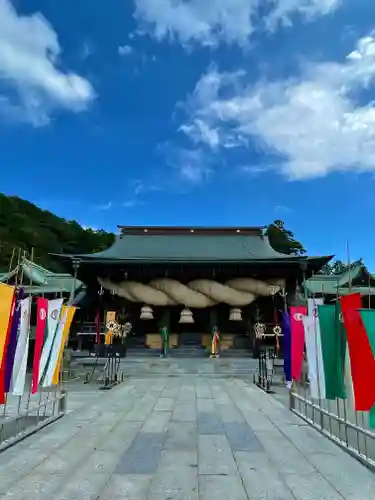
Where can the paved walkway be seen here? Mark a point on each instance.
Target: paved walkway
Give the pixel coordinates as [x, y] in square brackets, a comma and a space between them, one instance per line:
[180, 439]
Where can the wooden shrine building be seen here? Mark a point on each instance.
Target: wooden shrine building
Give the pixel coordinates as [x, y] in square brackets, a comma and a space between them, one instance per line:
[191, 279]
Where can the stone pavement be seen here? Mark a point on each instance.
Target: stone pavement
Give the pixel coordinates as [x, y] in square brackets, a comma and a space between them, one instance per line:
[183, 438]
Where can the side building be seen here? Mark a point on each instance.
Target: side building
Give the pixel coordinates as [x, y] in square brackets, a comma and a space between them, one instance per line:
[356, 280]
[191, 280]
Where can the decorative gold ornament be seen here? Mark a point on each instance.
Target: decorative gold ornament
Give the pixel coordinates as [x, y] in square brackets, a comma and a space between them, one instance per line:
[112, 325]
[277, 330]
[260, 330]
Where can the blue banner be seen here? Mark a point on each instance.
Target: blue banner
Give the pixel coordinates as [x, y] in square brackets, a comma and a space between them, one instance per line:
[287, 346]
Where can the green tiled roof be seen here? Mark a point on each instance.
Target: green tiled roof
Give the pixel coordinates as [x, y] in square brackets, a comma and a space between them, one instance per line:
[138, 248]
[332, 284]
[363, 290]
[39, 278]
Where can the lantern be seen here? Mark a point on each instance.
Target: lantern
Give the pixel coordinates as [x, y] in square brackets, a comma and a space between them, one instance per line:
[146, 313]
[186, 316]
[235, 314]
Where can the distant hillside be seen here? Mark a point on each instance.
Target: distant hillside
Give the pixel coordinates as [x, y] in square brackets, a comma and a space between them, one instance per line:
[24, 225]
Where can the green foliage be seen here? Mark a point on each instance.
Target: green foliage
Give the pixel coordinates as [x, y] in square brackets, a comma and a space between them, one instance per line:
[339, 267]
[282, 240]
[25, 226]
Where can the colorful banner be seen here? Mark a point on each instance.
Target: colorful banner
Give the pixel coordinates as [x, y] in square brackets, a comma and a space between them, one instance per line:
[287, 346]
[70, 311]
[314, 350]
[47, 382]
[22, 350]
[11, 351]
[6, 302]
[41, 323]
[333, 346]
[362, 361]
[368, 319]
[53, 318]
[5, 349]
[110, 316]
[298, 340]
[314, 359]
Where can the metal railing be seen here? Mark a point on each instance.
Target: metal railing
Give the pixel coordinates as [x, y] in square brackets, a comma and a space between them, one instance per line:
[269, 365]
[22, 416]
[336, 419]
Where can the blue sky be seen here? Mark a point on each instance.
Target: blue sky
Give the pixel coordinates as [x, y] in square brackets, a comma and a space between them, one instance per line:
[228, 112]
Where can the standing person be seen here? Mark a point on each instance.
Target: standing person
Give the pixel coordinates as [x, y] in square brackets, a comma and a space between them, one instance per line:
[164, 341]
[215, 342]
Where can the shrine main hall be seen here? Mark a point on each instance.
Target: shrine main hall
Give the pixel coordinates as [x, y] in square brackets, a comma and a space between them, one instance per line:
[192, 280]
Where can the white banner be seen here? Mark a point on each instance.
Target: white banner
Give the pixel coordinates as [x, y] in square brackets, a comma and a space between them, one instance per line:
[314, 350]
[53, 319]
[47, 382]
[22, 350]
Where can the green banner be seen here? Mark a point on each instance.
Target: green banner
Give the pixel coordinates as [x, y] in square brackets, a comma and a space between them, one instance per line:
[333, 351]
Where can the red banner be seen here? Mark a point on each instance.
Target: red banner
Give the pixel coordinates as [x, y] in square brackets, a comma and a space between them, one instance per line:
[41, 323]
[3, 362]
[362, 362]
[97, 327]
[298, 340]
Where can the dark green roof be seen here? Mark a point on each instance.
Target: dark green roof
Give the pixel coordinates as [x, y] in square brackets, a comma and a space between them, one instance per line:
[182, 245]
[41, 280]
[339, 283]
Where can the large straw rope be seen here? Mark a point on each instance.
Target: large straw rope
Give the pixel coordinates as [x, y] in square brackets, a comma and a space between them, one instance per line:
[202, 293]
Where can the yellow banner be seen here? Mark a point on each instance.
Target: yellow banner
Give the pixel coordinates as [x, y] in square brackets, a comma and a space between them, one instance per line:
[6, 300]
[70, 311]
[110, 316]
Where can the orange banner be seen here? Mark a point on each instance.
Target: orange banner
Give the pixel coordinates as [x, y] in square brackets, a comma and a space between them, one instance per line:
[110, 316]
[6, 301]
[70, 311]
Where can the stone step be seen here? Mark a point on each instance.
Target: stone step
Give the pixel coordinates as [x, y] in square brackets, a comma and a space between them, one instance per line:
[176, 366]
[188, 353]
[236, 353]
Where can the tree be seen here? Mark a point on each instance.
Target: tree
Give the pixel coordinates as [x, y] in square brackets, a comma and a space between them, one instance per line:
[282, 239]
[25, 226]
[338, 267]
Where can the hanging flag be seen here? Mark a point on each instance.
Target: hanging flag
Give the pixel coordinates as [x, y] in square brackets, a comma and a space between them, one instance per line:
[13, 337]
[5, 349]
[368, 319]
[55, 350]
[287, 346]
[53, 318]
[314, 350]
[6, 303]
[333, 345]
[312, 306]
[22, 350]
[70, 311]
[298, 340]
[362, 361]
[41, 323]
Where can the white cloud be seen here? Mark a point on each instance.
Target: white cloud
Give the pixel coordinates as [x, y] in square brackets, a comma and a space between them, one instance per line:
[192, 165]
[282, 209]
[308, 9]
[29, 66]
[211, 22]
[106, 206]
[125, 50]
[313, 122]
